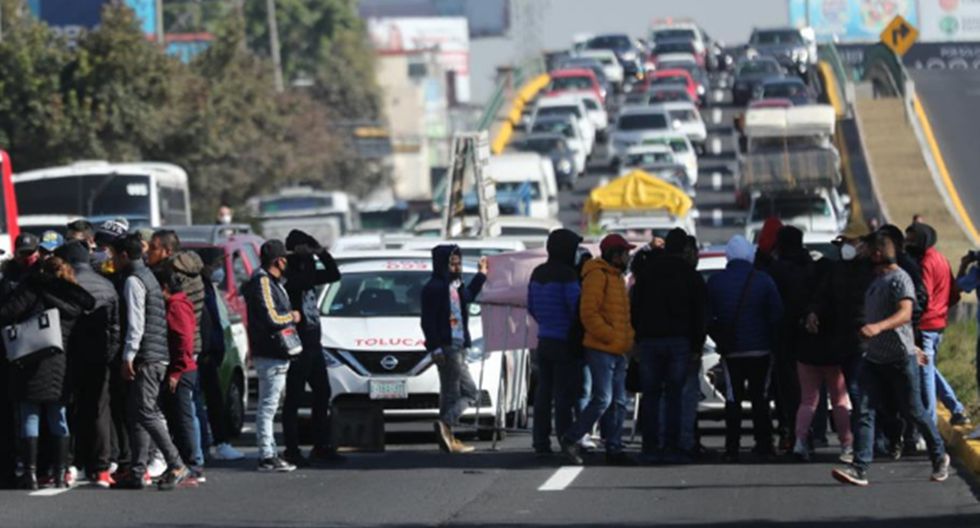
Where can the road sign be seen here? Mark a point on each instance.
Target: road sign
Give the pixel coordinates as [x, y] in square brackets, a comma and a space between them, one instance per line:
[899, 35]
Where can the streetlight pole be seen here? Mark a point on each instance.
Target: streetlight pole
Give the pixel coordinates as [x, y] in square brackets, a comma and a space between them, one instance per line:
[270, 6]
[159, 24]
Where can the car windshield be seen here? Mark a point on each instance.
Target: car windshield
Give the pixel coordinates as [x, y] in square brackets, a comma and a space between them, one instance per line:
[675, 47]
[783, 90]
[560, 84]
[684, 116]
[648, 158]
[541, 145]
[669, 80]
[394, 293]
[678, 145]
[788, 208]
[758, 67]
[560, 111]
[555, 127]
[784, 36]
[671, 34]
[533, 189]
[610, 42]
[642, 122]
[669, 96]
[678, 65]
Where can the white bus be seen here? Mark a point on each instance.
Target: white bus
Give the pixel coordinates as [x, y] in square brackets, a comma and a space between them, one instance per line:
[325, 215]
[148, 194]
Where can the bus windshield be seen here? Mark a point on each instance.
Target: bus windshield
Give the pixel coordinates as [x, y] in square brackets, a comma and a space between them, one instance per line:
[291, 204]
[88, 195]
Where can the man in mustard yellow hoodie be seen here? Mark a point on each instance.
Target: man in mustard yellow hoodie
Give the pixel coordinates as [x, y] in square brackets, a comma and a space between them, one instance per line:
[605, 313]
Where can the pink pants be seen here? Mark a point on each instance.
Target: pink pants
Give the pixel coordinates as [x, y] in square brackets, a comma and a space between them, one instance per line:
[811, 377]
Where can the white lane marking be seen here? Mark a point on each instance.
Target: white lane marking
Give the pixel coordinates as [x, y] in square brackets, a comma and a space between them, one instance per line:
[48, 492]
[716, 217]
[564, 476]
[716, 146]
[719, 96]
[716, 115]
[716, 181]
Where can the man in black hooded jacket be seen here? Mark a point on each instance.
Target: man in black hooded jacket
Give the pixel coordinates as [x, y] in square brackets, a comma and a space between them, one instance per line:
[445, 323]
[302, 280]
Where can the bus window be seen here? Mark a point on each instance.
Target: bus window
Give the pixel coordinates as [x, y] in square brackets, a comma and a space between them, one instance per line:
[173, 206]
[102, 195]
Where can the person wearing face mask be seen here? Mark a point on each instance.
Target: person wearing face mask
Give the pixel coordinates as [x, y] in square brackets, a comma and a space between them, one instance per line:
[269, 314]
[16, 270]
[889, 368]
[609, 336]
[445, 324]
[937, 277]
[224, 215]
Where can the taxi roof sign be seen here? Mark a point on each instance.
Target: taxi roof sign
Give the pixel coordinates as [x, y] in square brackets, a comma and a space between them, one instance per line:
[899, 35]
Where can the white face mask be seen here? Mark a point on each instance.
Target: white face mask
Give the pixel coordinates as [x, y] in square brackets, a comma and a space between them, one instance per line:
[224, 219]
[848, 252]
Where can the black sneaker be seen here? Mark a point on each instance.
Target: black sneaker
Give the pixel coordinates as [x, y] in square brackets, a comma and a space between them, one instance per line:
[543, 452]
[620, 458]
[898, 449]
[275, 465]
[326, 456]
[572, 453]
[173, 478]
[295, 458]
[851, 475]
[940, 469]
[129, 481]
[959, 419]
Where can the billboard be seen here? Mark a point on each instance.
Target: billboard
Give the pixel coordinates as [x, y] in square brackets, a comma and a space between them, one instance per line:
[949, 20]
[850, 20]
[487, 18]
[70, 17]
[449, 36]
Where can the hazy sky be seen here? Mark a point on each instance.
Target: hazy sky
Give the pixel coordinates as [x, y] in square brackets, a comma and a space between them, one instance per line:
[558, 20]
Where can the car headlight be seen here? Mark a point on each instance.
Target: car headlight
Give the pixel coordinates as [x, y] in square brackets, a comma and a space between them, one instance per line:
[330, 359]
[565, 166]
[476, 353]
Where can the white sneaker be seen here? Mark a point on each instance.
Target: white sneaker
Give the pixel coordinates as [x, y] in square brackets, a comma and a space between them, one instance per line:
[156, 467]
[587, 443]
[113, 467]
[226, 452]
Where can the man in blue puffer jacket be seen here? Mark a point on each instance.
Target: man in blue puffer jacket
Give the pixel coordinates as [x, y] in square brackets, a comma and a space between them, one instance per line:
[552, 300]
[744, 308]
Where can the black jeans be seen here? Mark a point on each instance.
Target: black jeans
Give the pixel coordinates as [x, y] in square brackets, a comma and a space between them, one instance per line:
[754, 372]
[92, 424]
[119, 423]
[310, 368]
[146, 421]
[207, 371]
[182, 415]
[559, 384]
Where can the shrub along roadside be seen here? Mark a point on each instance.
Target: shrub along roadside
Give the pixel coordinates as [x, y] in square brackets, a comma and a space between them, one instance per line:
[957, 361]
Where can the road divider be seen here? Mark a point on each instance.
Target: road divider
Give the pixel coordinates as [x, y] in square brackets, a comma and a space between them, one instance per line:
[968, 451]
[524, 95]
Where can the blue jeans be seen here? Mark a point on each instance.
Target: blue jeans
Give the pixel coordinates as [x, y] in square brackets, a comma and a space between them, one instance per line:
[608, 402]
[898, 382]
[201, 426]
[934, 384]
[272, 382]
[30, 419]
[663, 370]
[559, 383]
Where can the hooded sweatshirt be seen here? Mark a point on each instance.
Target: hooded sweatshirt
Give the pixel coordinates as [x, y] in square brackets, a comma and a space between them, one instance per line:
[436, 312]
[669, 300]
[189, 266]
[937, 278]
[767, 242]
[554, 291]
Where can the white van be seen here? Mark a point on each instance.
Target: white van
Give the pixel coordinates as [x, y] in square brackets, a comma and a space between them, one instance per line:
[512, 171]
[568, 104]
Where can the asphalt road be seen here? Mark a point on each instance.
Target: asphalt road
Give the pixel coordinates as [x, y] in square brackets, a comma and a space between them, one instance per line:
[951, 100]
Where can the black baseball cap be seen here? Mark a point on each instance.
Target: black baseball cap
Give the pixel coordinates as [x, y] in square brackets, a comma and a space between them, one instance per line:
[271, 250]
[26, 243]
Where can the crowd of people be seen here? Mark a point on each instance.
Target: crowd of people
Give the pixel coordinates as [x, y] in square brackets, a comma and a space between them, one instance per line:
[852, 338]
[113, 345]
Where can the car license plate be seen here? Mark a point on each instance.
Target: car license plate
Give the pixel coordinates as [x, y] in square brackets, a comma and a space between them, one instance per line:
[387, 390]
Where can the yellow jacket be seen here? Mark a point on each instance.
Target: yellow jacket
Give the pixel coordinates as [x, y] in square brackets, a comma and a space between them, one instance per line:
[605, 308]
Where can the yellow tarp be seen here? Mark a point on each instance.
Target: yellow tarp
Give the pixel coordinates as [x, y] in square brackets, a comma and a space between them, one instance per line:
[638, 191]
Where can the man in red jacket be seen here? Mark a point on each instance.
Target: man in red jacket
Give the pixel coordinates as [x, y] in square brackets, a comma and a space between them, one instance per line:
[182, 369]
[937, 276]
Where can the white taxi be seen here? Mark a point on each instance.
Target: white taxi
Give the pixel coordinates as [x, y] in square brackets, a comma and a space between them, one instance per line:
[375, 349]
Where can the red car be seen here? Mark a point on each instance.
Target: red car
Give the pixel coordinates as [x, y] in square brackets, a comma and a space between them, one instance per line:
[232, 254]
[575, 80]
[674, 77]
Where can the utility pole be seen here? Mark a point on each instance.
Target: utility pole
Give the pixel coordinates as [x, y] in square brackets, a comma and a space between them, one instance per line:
[159, 24]
[270, 7]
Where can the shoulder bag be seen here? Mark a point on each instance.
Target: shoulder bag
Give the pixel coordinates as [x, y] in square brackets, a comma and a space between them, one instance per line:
[40, 332]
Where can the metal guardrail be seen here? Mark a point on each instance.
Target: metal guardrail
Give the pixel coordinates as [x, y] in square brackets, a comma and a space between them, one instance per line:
[518, 77]
[885, 70]
[828, 53]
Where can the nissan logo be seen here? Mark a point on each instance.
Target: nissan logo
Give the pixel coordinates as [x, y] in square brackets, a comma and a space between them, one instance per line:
[389, 362]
